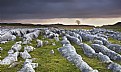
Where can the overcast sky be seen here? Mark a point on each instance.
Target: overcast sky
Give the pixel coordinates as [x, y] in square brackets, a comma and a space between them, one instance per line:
[44, 10]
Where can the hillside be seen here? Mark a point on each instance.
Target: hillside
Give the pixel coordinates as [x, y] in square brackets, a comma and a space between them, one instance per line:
[18, 25]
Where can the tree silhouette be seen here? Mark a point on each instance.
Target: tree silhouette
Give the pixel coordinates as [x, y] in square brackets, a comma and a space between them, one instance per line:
[78, 22]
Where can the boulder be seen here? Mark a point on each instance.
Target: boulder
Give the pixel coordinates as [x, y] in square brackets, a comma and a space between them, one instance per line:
[111, 54]
[25, 54]
[39, 43]
[87, 50]
[103, 58]
[115, 47]
[29, 48]
[114, 67]
[28, 66]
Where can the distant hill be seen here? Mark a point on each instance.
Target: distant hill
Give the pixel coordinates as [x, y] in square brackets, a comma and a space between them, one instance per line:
[45, 25]
[114, 25]
[117, 24]
[15, 24]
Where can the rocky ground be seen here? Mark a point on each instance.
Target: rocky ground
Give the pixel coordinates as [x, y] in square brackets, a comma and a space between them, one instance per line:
[53, 62]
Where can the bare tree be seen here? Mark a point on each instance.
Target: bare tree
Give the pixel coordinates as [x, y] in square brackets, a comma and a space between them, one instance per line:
[78, 22]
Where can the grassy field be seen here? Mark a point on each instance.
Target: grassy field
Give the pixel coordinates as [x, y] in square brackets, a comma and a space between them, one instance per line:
[115, 28]
[53, 63]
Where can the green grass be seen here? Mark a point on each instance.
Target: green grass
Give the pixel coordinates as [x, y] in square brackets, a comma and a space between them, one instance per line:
[115, 28]
[114, 41]
[48, 62]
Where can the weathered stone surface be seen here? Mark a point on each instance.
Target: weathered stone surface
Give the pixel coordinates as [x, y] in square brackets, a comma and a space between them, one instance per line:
[111, 54]
[29, 48]
[39, 43]
[114, 67]
[25, 54]
[28, 66]
[115, 47]
[87, 50]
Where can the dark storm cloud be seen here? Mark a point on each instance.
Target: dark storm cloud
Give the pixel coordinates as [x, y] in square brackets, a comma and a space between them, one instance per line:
[44, 9]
